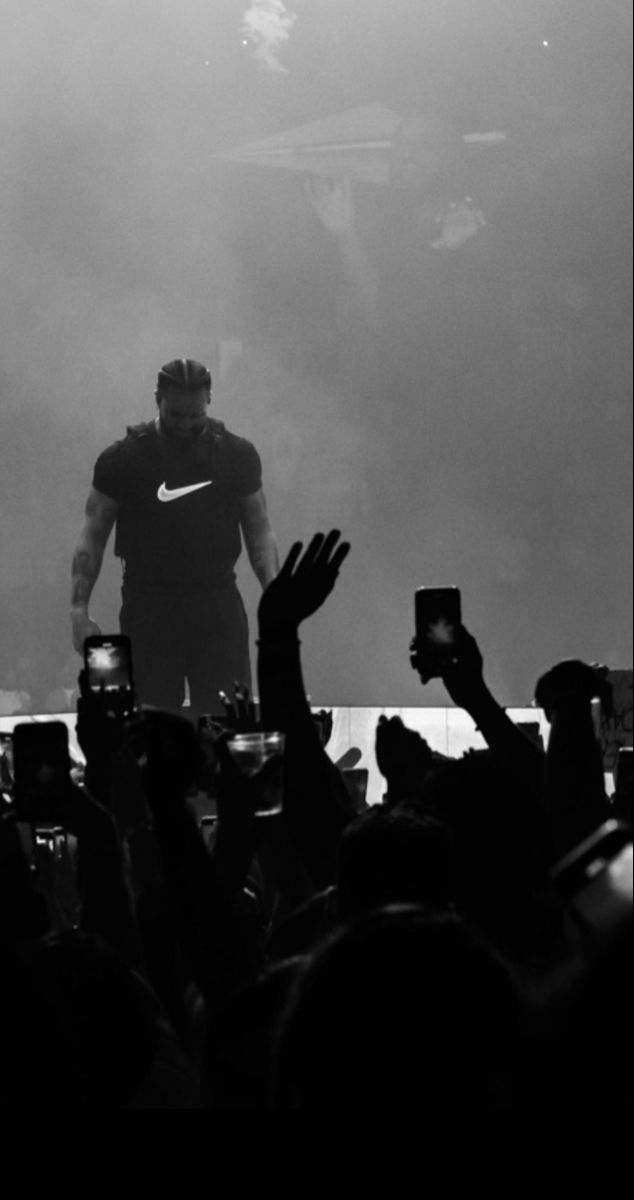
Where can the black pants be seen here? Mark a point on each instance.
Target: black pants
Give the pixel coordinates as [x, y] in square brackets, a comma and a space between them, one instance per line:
[200, 637]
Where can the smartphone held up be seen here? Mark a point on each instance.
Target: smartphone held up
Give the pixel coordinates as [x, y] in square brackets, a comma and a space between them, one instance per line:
[108, 672]
[438, 616]
[41, 772]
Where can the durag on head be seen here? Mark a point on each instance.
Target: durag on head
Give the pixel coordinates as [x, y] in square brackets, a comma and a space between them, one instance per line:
[185, 374]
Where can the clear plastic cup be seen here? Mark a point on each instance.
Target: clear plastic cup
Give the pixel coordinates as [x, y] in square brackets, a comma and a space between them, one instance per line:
[250, 752]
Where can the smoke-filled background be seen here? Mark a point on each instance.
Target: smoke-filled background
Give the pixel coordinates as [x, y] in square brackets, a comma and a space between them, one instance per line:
[462, 412]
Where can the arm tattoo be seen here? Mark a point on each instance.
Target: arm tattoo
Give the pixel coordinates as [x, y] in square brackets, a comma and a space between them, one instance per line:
[85, 570]
[100, 514]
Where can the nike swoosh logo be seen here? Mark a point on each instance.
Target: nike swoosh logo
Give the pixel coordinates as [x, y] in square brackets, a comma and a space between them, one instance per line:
[166, 495]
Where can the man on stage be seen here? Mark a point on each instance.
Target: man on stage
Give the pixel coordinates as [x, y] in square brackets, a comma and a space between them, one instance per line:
[182, 490]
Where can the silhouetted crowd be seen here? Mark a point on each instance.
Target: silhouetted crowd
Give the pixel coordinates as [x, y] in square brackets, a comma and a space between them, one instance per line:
[463, 944]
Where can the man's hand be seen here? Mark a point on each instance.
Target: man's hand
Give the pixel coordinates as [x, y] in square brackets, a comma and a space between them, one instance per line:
[303, 584]
[572, 680]
[99, 733]
[463, 678]
[333, 202]
[324, 722]
[83, 627]
[403, 758]
[241, 712]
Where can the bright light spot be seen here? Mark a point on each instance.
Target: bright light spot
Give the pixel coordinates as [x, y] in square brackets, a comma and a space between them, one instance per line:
[545, 43]
[441, 632]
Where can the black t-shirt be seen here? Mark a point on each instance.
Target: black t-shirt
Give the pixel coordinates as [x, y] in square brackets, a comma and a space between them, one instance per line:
[178, 521]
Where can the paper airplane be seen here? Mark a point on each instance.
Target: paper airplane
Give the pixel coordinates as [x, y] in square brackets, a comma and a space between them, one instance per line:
[356, 143]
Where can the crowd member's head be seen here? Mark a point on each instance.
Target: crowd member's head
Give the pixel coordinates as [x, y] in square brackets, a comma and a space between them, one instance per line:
[392, 856]
[403, 1009]
[183, 393]
[501, 852]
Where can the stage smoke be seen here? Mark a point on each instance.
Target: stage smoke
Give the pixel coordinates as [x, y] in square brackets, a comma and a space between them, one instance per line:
[267, 24]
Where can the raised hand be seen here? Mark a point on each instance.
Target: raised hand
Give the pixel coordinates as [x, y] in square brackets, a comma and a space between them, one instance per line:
[241, 712]
[463, 678]
[305, 580]
[324, 722]
[99, 733]
[403, 758]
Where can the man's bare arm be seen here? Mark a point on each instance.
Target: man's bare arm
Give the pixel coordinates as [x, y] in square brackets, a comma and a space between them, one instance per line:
[258, 536]
[101, 513]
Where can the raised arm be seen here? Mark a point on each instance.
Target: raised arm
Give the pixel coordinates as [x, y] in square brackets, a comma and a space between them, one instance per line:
[575, 786]
[101, 512]
[466, 685]
[259, 538]
[316, 803]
